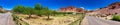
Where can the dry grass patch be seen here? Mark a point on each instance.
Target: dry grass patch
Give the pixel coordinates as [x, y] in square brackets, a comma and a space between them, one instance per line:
[56, 20]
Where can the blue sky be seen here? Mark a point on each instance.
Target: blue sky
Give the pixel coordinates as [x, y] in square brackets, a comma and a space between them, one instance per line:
[56, 4]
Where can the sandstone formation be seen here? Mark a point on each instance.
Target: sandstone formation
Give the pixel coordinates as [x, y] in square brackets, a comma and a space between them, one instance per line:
[72, 9]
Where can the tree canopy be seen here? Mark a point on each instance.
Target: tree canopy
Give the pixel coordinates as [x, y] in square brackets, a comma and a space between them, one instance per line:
[38, 6]
[19, 8]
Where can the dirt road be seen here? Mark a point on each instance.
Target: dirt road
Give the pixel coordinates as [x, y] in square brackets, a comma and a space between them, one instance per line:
[90, 20]
[6, 19]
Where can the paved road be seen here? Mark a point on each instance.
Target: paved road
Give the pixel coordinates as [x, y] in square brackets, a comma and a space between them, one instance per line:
[90, 20]
[6, 19]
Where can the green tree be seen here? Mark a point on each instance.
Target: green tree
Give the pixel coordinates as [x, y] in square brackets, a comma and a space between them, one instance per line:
[29, 11]
[47, 12]
[39, 12]
[38, 6]
[38, 9]
[24, 10]
[19, 9]
[54, 13]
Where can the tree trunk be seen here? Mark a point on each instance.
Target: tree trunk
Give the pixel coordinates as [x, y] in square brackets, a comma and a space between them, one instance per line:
[30, 15]
[40, 15]
[48, 17]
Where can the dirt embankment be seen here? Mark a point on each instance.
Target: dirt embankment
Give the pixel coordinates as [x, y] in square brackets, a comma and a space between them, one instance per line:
[111, 9]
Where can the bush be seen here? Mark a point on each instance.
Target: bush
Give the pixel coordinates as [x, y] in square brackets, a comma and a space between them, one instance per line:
[63, 12]
[69, 12]
[116, 17]
[17, 20]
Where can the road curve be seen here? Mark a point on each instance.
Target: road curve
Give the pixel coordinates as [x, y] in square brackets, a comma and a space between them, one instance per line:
[90, 20]
[6, 19]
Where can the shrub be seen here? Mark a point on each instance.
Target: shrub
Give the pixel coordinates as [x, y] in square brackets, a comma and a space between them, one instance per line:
[17, 20]
[116, 17]
[78, 21]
